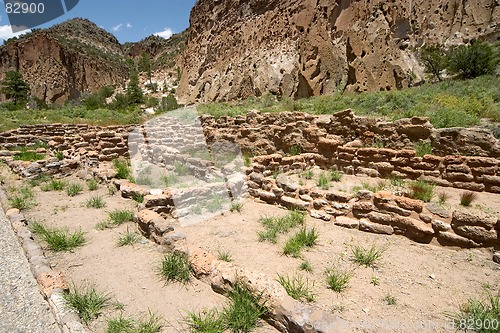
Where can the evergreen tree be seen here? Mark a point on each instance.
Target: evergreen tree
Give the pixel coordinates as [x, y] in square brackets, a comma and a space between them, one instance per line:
[14, 87]
[134, 92]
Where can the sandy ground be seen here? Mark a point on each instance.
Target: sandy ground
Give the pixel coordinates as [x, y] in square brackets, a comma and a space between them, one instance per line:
[428, 281]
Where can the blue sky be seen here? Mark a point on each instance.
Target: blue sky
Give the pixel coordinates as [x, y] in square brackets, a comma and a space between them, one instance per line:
[129, 21]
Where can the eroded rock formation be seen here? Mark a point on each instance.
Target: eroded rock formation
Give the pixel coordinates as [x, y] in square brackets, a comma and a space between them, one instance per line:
[300, 48]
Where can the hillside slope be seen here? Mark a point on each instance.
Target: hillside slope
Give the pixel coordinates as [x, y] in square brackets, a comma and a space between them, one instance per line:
[65, 61]
[299, 48]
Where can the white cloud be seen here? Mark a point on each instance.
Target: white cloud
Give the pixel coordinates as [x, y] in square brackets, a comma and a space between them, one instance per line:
[167, 33]
[6, 32]
[117, 28]
[129, 25]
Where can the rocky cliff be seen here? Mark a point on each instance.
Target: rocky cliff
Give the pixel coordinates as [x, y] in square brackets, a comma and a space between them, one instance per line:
[299, 48]
[66, 61]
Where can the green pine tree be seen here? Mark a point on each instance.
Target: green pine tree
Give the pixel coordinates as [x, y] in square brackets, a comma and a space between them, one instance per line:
[14, 87]
[134, 92]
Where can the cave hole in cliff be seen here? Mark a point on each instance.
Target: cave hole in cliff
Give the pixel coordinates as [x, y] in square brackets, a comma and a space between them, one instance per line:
[304, 90]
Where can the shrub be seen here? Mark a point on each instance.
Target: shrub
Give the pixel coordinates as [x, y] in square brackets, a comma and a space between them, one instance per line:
[472, 61]
[297, 287]
[434, 58]
[122, 168]
[175, 267]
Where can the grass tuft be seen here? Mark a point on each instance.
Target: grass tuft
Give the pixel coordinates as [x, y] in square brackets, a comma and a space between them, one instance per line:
[306, 266]
[74, 189]
[443, 197]
[297, 242]
[276, 225]
[236, 206]
[297, 287]
[22, 199]
[366, 256]
[58, 239]
[224, 256]
[308, 174]
[245, 309]
[86, 301]
[422, 190]
[30, 156]
[466, 198]
[54, 185]
[337, 280]
[476, 313]
[128, 238]
[390, 299]
[122, 168]
[208, 321]
[120, 216]
[95, 202]
[323, 181]
[175, 267]
[92, 184]
[335, 175]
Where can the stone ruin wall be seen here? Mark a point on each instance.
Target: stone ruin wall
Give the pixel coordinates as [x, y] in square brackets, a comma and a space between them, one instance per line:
[328, 142]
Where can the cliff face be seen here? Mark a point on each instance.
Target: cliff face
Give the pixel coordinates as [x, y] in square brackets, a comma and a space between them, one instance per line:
[66, 60]
[299, 48]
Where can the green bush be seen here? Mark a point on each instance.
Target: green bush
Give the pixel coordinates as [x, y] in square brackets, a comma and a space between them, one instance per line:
[472, 61]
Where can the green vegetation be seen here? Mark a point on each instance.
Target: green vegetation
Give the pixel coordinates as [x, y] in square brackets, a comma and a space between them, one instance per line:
[423, 148]
[242, 314]
[236, 206]
[149, 324]
[479, 313]
[297, 287]
[375, 280]
[54, 185]
[447, 104]
[323, 181]
[443, 197]
[205, 322]
[175, 267]
[335, 175]
[86, 301]
[306, 266]
[224, 256]
[337, 280]
[279, 225]
[366, 256]
[74, 189]
[473, 60]
[15, 88]
[298, 241]
[390, 299]
[22, 198]
[95, 202]
[466, 198]
[308, 174]
[422, 190]
[92, 184]
[30, 156]
[119, 216]
[122, 168]
[128, 238]
[295, 150]
[58, 239]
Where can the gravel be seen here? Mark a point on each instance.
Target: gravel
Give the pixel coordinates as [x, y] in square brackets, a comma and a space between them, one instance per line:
[22, 307]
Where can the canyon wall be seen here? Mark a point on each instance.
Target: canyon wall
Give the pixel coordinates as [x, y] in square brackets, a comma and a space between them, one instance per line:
[300, 48]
